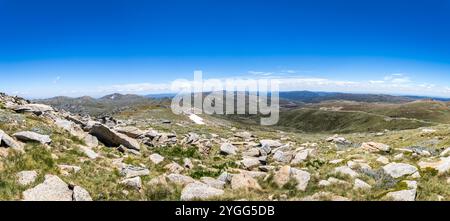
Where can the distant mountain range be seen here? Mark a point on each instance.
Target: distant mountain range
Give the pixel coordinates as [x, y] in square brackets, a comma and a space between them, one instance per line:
[113, 103]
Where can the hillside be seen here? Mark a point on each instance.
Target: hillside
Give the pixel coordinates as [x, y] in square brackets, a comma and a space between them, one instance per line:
[140, 155]
[106, 105]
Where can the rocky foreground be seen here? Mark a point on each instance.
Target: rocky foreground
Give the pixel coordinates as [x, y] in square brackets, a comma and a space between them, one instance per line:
[47, 154]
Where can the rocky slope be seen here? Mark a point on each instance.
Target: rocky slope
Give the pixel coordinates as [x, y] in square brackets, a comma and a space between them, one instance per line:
[151, 154]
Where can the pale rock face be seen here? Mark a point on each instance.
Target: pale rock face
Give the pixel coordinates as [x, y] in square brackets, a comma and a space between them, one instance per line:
[253, 152]
[130, 131]
[361, 185]
[397, 170]
[156, 158]
[244, 181]
[68, 169]
[26, 177]
[37, 109]
[442, 166]
[375, 147]
[32, 136]
[250, 163]
[52, 189]
[301, 156]
[213, 182]
[282, 157]
[187, 163]
[302, 178]
[228, 149]
[346, 171]
[10, 142]
[135, 183]
[80, 194]
[383, 160]
[179, 179]
[174, 167]
[402, 195]
[282, 176]
[271, 143]
[90, 141]
[129, 171]
[112, 138]
[199, 191]
[88, 152]
[445, 153]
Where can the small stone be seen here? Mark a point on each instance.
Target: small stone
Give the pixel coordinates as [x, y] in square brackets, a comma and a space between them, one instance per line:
[156, 158]
[228, 149]
[135, 183]
[179, 179]
[244, 181]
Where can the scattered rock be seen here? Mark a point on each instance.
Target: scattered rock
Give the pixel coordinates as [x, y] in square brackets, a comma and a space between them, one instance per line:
[156, 158]
[68, 169]
[301, 177]
[88, 152]
[301, 156]
[199, 191]
[402, 195]
[112, 138]
[250, 163]
[228, 149]
[218, 184]
[383, 160]
[442, 166]
[397, 170]
[130, 131]
[174, 167]
[32, 136]
[37, 109]
[345, 170]
[134, 182]
[9, 141]
[244, 181]
[129, 171]
[361, 185]
[375, 147]
[282, 157]
[179, 179]
[80, 194]
[52, 189]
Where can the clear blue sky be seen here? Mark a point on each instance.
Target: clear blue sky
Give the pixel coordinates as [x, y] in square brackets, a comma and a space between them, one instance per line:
[78, 47]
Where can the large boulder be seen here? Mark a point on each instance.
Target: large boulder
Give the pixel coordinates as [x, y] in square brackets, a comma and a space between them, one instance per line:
[52, 189]
[32, 136]
[112, 138]
[37, 109]
[397, 170]
[199, 191]
[402, 195]
[9, 141]
[129, 171]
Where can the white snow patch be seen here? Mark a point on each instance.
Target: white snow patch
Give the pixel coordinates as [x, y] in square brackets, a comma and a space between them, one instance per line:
[196, 119]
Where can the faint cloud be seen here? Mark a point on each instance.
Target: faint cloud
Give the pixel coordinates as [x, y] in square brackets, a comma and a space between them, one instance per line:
[56, 80]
